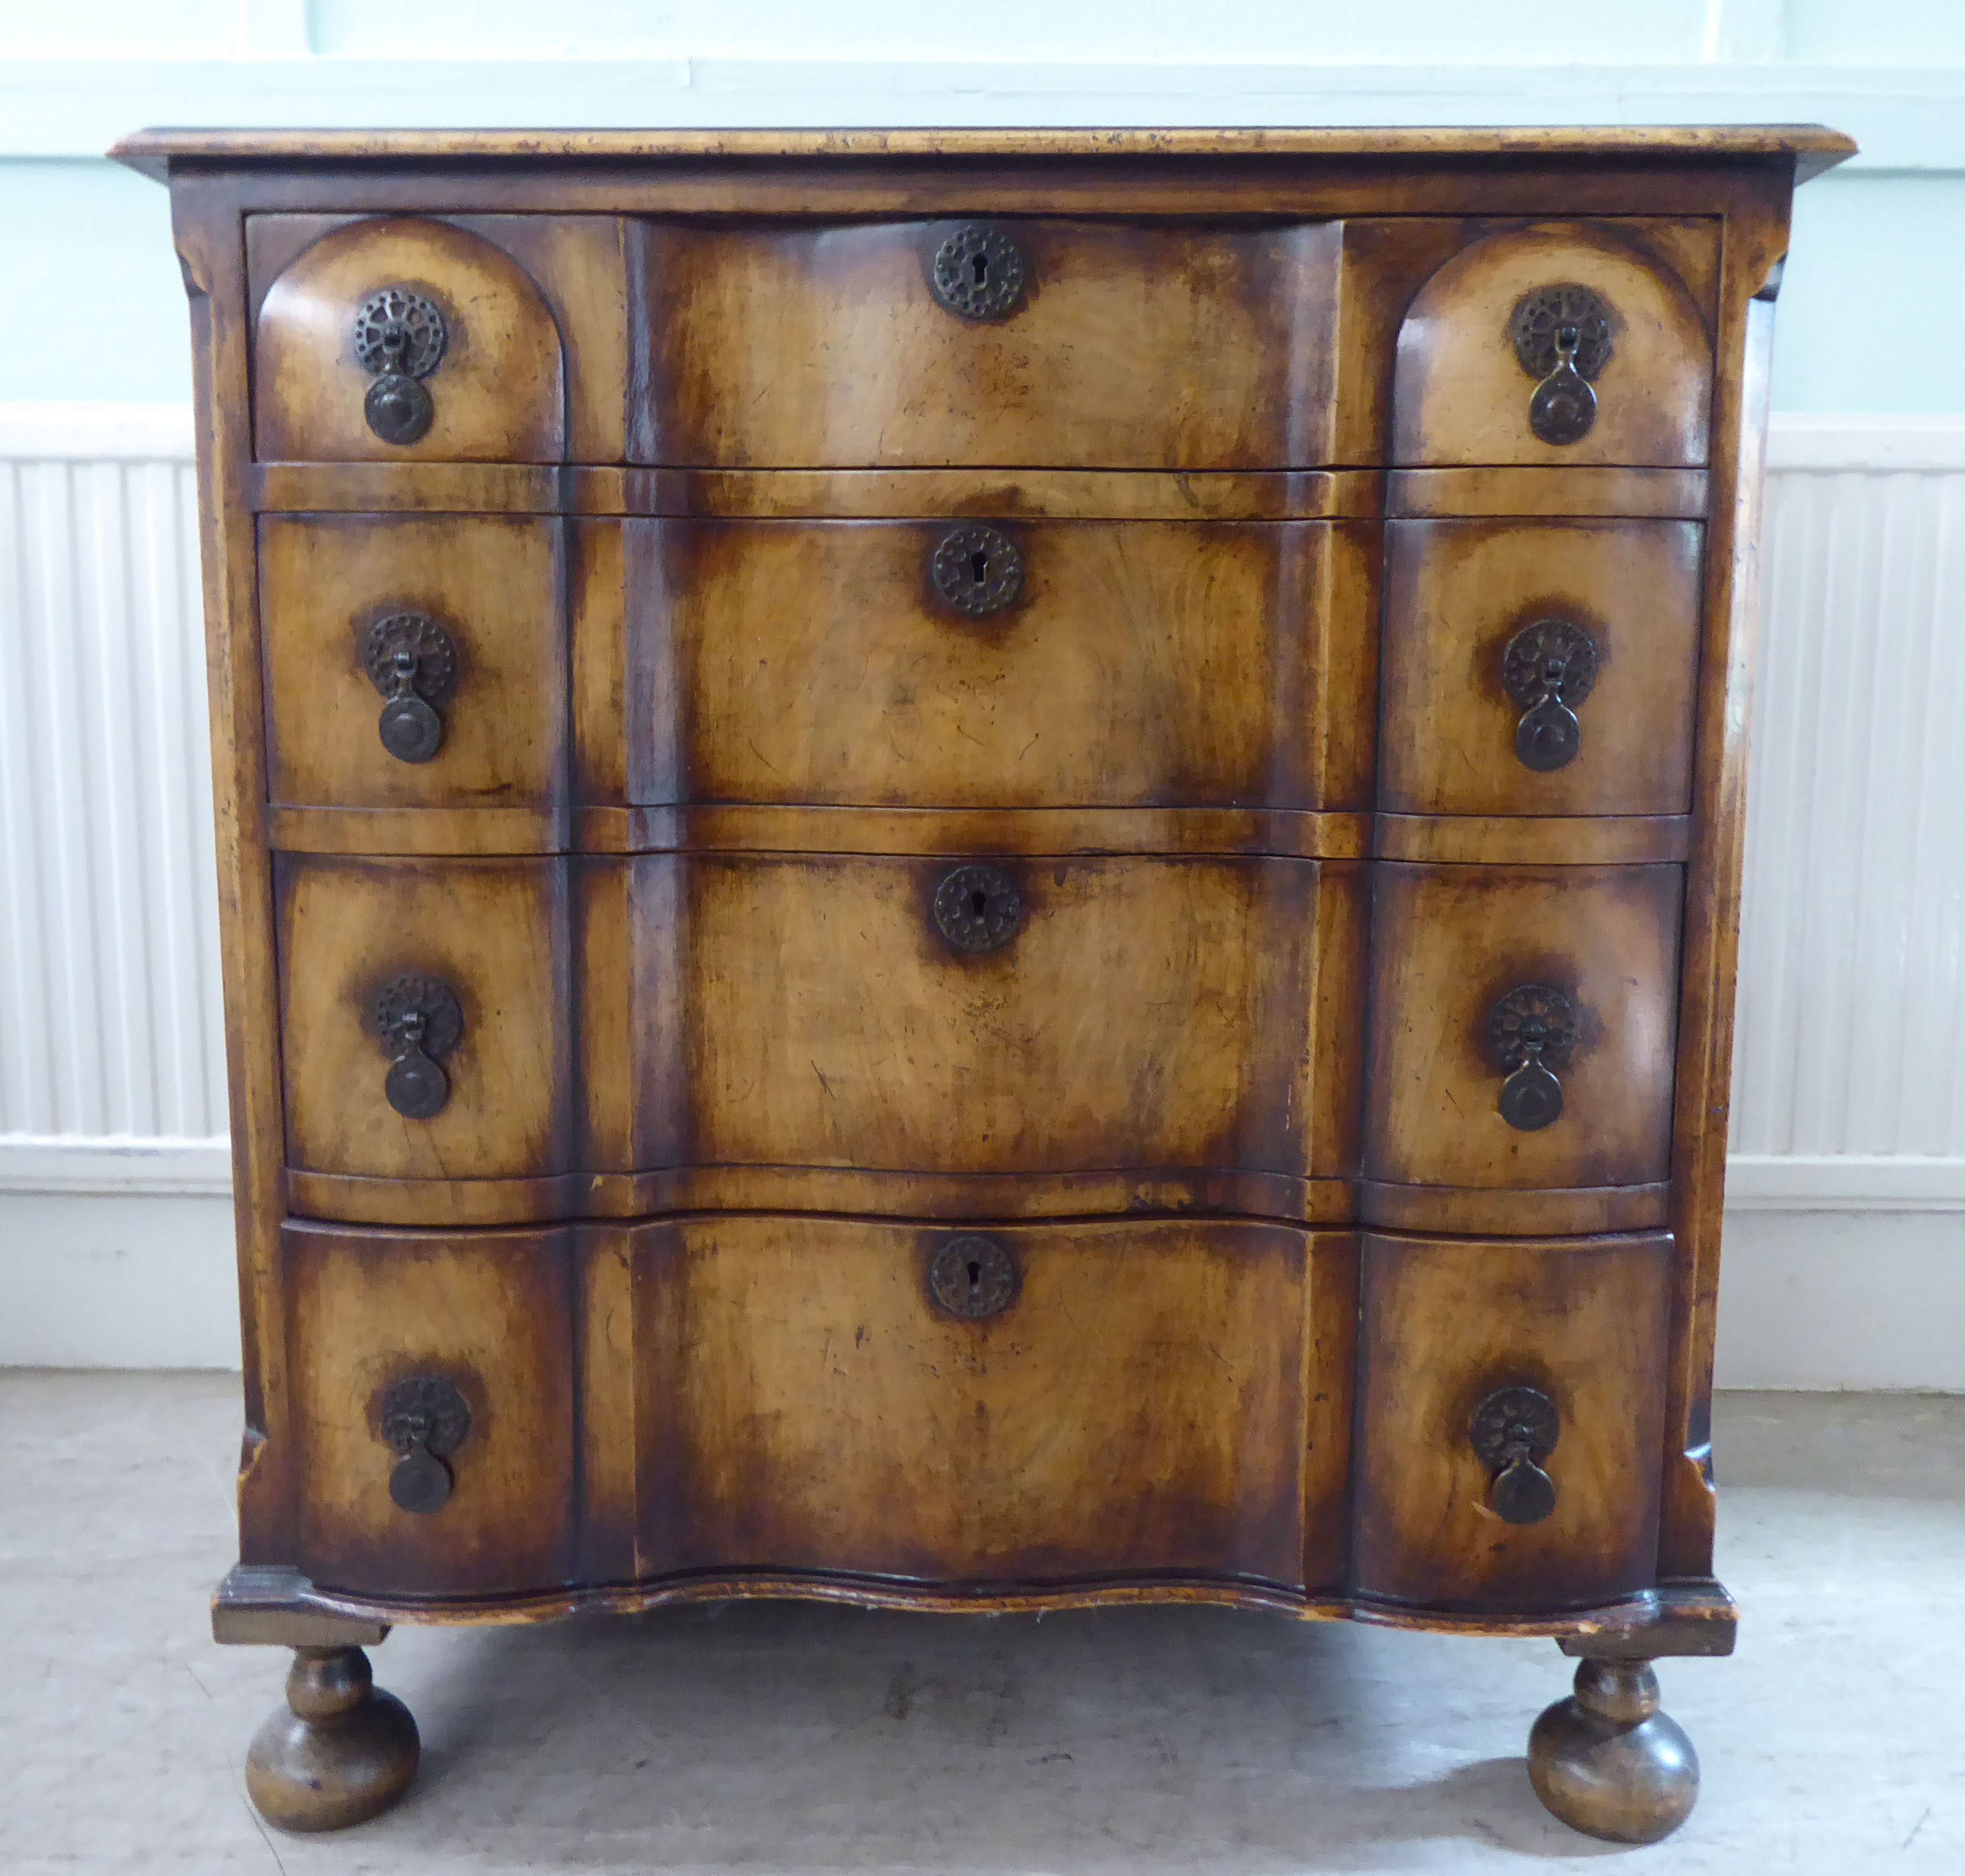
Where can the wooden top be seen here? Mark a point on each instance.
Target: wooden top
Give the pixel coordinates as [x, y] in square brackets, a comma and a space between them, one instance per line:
[1813, 147]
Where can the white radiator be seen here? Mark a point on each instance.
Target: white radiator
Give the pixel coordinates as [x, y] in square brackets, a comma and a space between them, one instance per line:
[1850, 1072]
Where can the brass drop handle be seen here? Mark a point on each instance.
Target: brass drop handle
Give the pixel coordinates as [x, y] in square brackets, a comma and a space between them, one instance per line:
[400, 338]
[1532, 1031]
[425, 1420]
[412, 660]
[1514, 1431]
[979, 272]
[972, 1276]
[1548, 669]
[419, 1021]
[1562, 338]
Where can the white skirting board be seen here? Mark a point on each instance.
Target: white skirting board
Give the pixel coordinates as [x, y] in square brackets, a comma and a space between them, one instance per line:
[1845, 1259]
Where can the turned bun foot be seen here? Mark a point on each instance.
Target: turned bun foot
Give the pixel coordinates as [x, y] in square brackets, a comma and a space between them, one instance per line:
[341, 1751]
[1608, 1763]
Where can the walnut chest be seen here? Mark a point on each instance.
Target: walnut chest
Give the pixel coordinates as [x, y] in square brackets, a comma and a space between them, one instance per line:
[981, 870]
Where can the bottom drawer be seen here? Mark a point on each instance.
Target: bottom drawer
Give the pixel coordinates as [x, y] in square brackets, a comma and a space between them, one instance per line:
[1518, 1378]
[431, 1401]
[1018, 1405]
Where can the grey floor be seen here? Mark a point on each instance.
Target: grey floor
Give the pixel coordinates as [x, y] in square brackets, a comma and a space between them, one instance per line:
[769, 1738]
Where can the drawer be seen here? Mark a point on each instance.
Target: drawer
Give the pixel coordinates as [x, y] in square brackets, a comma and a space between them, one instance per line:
[403, 339]
[1522, 1026]
[944, 1016]
[1481, 1364]
[430, 1404]
[1014, 342]
[1007, 1405]
[413, 661]
[969, 663]
[425, 1029]
[1560, 343]
[1540, 668]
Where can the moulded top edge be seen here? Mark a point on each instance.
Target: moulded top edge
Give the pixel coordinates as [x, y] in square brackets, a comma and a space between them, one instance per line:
[1814, 147]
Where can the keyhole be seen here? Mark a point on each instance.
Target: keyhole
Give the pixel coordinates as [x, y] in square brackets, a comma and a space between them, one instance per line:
[979, 567]
[975, 1276]
[979, 904]
[978, 266]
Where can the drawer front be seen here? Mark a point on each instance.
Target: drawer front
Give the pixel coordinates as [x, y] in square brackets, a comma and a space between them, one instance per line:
[425, 1023]
[406, 340]
[430, 1379]
[1482, 1364]
[1008, 1405]
[946, 1016]
[413, 661]
[981, 663]
[1540, 668]
[1561, 343]
[1081, 344]
[1489, 985]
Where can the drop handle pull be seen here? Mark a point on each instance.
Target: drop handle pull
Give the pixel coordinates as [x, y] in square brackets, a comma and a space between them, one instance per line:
[400, 339]
[419, 1021]
[1548, 669]
[1532, 1030]
[1562, 339]
[424, 1420]
[1514, 1430]
[412, 661]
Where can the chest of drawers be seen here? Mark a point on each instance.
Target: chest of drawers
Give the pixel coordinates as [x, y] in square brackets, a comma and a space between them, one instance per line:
[981, 870]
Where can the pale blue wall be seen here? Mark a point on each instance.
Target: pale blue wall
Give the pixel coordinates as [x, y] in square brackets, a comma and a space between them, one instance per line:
[92, 308]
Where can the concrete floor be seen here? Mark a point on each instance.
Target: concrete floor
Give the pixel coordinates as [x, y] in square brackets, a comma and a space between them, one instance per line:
[766, 1737]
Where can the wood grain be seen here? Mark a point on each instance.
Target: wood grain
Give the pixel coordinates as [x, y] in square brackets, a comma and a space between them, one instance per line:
[151, 150]
[1446, 942]
[1146, 1014]
[1461, 396]
[495, 931]
[1457, 592]
[801, 1401]
[1445, 1322]
[785, 347]
[491, 584]
[499, 391]
[1194, 664]
[490, 1313]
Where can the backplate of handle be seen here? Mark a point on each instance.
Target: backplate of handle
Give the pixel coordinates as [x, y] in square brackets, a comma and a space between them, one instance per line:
[424, 1419]
[1514, 1429]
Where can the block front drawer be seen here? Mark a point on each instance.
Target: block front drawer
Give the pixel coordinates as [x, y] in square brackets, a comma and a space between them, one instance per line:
[1510, 1417]
[1019, 1404]
[1014, 340]
[432, 1407]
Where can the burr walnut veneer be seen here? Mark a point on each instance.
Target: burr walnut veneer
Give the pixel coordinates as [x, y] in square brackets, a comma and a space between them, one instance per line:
[980, 871]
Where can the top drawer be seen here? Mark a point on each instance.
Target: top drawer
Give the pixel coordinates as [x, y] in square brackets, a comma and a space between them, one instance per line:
[1013, 342]
[1557, 344]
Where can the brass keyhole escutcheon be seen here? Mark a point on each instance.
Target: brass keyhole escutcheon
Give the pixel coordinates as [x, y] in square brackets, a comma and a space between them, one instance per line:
[978, 908]
[1513, 1430]
[976, 569]
[979, 272]
[972, 1276]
